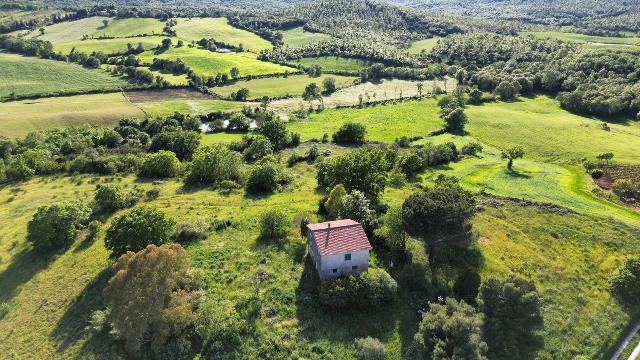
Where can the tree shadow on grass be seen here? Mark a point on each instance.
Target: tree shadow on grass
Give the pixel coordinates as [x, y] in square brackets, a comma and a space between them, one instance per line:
[319, 323]
[72, 325]
[517, 174]
[25, 265]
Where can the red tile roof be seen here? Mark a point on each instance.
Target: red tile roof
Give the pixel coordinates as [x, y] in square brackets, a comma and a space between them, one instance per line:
[340, 236]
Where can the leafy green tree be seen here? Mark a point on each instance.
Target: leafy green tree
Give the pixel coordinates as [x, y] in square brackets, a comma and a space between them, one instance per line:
[350, 133]
[512, 310]
[181, 143]
[109, 198]
[152, 296]
[138, 228]
[259, 148]
[506, 91]
[475, 96]
[56, 226]
[608, 156]
[166, 43]
[239, 122]
[452, 330]
[240, 95]
[311, 92]
[276, 131]
[334, 201]
[274, 225]
[512, 153]
[441, 217]
[265, 177]
[329, 85]
[364, 170]
[235, 72]
[624, 284]
[163, 164]
[455, 121]
[213, 164]
[370, 349]
[355, 206]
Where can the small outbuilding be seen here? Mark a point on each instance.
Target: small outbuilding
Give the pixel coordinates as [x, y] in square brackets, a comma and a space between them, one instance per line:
[338, 248]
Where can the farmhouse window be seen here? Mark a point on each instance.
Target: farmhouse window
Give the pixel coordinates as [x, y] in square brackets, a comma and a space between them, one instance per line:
[347, 257]
[334, 270]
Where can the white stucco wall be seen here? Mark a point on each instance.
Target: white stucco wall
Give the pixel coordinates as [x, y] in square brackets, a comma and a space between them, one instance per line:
[326, 264]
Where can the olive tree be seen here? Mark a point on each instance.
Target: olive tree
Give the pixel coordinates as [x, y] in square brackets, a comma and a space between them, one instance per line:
[137, 228]
[512, 153]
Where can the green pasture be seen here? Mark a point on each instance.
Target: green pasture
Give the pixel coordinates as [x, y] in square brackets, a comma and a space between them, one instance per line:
[547, 132]
[108, 46]
[334, 63]
[593, 41]
[130, 27]
[292, 85]
[427, 44]
[21, 117]
[298, 37]
[70, 30]
[196, 106]
[194, 29]
[207, 63]
[29, 76]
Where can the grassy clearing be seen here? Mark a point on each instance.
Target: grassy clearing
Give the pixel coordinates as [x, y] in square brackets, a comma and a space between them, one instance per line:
[384, 122]
[70, 30]
[547, 132]
[298, 37]
[107, 46]
[219, 29]
[21, 117]
[334, 63]
[592, 41]
[370, 92]
[28, 76]
[130, 26]
[207, 63]
[280, 86]
[427, 44]
[169, 107]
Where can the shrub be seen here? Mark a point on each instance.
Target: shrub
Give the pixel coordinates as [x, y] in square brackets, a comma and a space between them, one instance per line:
[356, 206]
[191, 231]
[363, 170]
[109, 198]
[624, 284]
[314, 153]
[380, 287]
[163, 164]
[182, 143]
[471, 148]
[597, 173]
[93, 229]
[413, 276]
[152, 296]
[266, 177]
[274, 225]
[350, 133]
[370, 349]
[259, 148]
[56, 226]
[153, 193]
[410, 164]
[455, 121]
[138, 228]
[370, 289]
[452, 330]
[239, 122]
[276, 131]
[213, 164]
[334, 202]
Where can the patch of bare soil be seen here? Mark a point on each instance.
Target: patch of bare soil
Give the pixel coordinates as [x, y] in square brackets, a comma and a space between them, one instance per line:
[165, 94]
[605, 181]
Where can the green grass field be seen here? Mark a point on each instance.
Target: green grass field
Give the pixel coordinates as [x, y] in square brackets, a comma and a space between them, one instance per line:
[29, 76]
[334, 64]
[632, 43]
[280, 86]
[219, 29]
[298, 37]
[22, 117]
[108, 46]
[207, 63]
[130, 26]
[547, 132]
[199, 106]
[426, 45]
